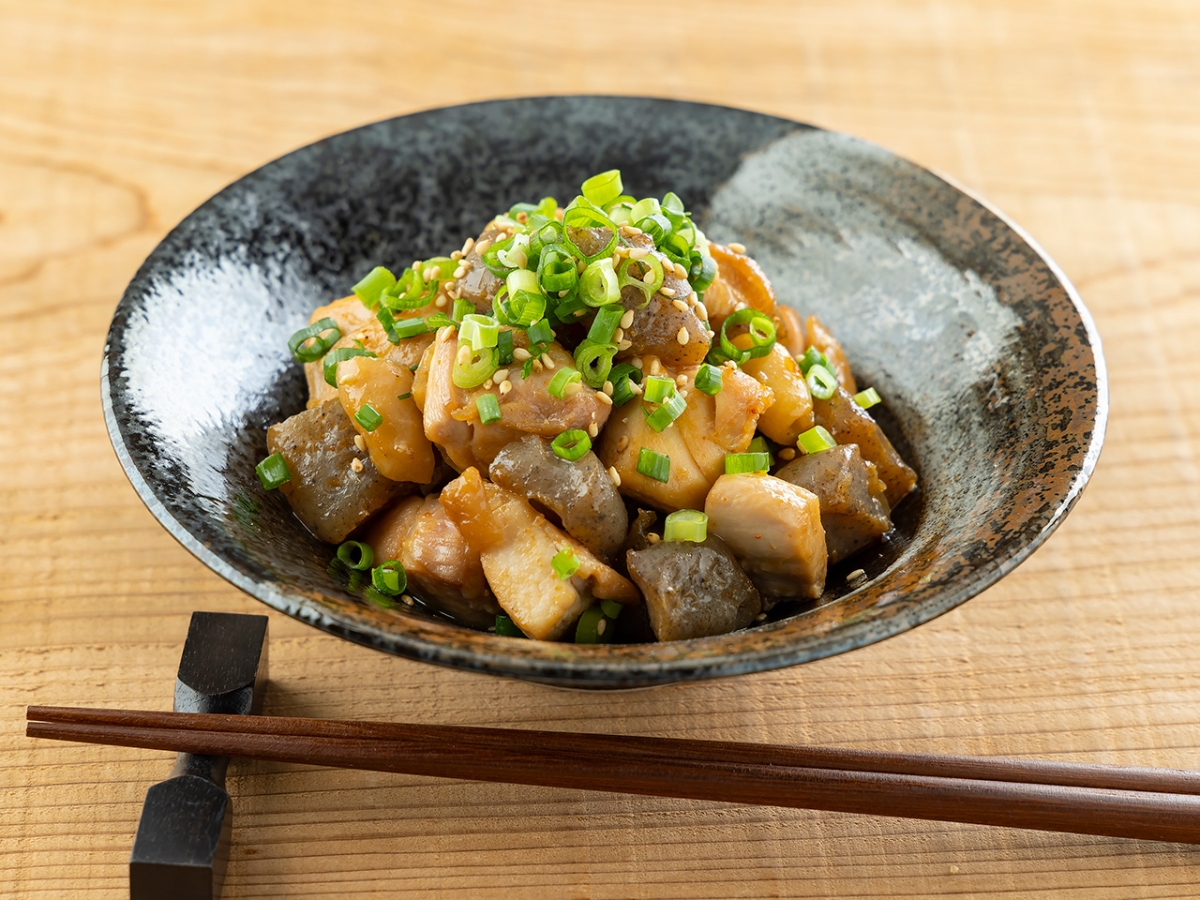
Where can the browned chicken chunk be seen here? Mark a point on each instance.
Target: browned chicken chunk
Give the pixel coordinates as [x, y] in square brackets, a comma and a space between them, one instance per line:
[849, 423]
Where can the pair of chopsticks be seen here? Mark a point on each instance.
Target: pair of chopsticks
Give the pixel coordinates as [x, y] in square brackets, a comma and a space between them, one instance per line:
[1151, 804]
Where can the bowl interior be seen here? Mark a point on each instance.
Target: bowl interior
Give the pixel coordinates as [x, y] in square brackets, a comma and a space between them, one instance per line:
[988, 363]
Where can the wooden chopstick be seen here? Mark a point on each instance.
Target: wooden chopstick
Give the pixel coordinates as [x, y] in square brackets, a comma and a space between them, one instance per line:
[1136, 803]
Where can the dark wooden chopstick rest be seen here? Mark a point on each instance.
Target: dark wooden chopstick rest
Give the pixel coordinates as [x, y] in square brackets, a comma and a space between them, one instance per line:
[182, 844]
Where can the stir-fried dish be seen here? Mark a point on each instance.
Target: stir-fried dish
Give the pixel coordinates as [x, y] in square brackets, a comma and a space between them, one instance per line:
[584, 410]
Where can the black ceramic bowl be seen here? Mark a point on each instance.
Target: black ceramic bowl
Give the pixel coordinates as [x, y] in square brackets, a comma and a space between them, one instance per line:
[989, 363]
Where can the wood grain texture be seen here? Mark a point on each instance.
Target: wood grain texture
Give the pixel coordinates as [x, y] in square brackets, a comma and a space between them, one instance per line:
[1079, 119]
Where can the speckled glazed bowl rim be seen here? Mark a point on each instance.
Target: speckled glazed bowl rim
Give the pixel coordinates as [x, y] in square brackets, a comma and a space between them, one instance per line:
[855, 620]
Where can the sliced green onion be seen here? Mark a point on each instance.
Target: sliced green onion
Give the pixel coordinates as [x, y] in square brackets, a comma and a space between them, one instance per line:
[321, 342]
[611, 608]
[571, 445]
[368, 417]
[822, 383]
[709, 380]
[521, 280]
[677, 249]
[410, 328]
[673, 206]
[462, 308]
[491, 256]
[562, 381]
[604, 188]
[557, 271]
[375, 283]
[737, 463]
[759, 327]
[582, 213]
[647, 207]
[390, 578]
[658, 388]
[595, 362]
[504, 348]
[526, 307]
[540, 332]
[702, 271]
[598, 285]
[657, 226]
[333, 357]
[633, 272]
[867, 398]
[489, 408]
[405, 396]
[759, 445]
[543, 233]
[409, 291]
[604, 326]
[477, 369]
[594, 627]
[812, 357]
[565, 563]
[654, 465]
[815, 440]
[686, 525]
[506, 627]
[356, 555]
[620, 376]
[273, 471]
[515, 254]
[437, 320]
[671, 409]
[479, 331]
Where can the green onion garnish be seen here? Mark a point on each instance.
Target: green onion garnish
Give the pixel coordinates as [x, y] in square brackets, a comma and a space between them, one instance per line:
[506, 627]
[867, 398]
[390, 578]
[647, 207]
[812, 357]
[759, 327]
[504, 348]
[598, 285]
[321, 342]
[526, 307]
[410, 328]
[478, 367]
[658, 388]
[436, 320]
[489, 408]
[815, 440]
[708, 379]
[582, 213]
[593, 627]
[654, 465]
[595, 362]
[604, 188]
[462, 308]
[611, 608]
[565, 563]
[702, 271]
[604, 326]
[657, 226]
[822, 383]
[620, 376]
[479, 331]
[404, 396]
[556, 271]
[571, 445]
[273, 471]
[670, 410]
[540, 332]
[375, 283]
[686, 525]
[562, 381]
[356, 555]
[521, 280]
[759, 445]
[633, 272]
[368, 417]
[738, 463]
[333, 357]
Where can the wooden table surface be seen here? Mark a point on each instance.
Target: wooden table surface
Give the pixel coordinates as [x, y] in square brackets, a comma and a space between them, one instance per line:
[1080, 119]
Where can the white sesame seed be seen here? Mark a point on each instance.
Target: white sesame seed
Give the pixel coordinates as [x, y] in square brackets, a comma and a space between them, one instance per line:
[618, 335]
[761, 617]
[702, 312]
[548, 361]
[608, 388]
[653, 538]
[634, 387]
[456, 255]
[683, 393]
[655, 366]
[572, 389]
[670, 292]
[624, 345]
[481, 247]
[787, 453]
[601, 626]
[630, 230]
[467, 245]
[614, 475]
[649, 277]
[505, 387]
[636, 362]
[499, 375]
[678, 304]
[680, 272]
[356, 464]
[488, 385]
[682, 336]
[537, 365]
[407, 599]
[593, 430]
[460, 272]
[604, 398]
[681, 380]
[580, 312]
[520, 353]
[639, 253]
[430, 273]
[627, 319]
[580, 267]
[444, 333]
[464, 354]
[857, 575]
[622, 443]
[360, 443]
[737, 247]
[441, 302]
[622, 251]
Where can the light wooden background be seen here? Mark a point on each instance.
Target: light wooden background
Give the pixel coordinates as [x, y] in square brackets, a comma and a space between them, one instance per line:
[1080, 119]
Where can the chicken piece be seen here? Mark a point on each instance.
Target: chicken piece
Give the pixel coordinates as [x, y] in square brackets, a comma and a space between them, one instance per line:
[740, 282]
[658, 324]
[334, 487]
[440, 563]
[697, 442]
[452, 418]
[398, 446]
[774, 529]
[579, 492]
[478, 284]
[693, 590]
[822, 338]
[854, 507]
[849, 423]
[791, 414]
[357, 323]
[789, 330]
[517, 547]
